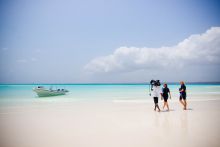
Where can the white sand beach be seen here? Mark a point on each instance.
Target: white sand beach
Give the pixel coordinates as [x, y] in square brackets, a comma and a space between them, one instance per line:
[110, 124]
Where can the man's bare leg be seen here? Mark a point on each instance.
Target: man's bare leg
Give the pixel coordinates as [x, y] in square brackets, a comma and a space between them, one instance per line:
[182, 103]
[185, 104]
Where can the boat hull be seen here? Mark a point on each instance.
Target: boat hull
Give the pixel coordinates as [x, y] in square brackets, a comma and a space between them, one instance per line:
[48, 93]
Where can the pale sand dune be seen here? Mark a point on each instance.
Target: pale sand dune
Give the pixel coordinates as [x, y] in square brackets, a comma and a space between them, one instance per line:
[106, 124]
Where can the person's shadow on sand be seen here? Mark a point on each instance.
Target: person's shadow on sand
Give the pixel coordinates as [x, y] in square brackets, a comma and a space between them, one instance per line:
[167, 110]
[175, 110]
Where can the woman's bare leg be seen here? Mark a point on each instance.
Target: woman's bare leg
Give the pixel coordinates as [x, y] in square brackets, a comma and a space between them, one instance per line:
[164, 104]
[168, 107]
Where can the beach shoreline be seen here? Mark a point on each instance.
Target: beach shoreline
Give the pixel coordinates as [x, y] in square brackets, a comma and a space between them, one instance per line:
[110, 124]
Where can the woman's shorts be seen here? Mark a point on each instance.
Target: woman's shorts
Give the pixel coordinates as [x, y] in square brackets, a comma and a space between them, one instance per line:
[165, 98]
[156, 100]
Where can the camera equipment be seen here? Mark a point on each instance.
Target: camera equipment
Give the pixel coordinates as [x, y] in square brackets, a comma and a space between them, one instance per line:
[153, 83]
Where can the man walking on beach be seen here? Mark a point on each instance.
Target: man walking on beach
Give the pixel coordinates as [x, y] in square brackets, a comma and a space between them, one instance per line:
[182, 91]
[156, 93]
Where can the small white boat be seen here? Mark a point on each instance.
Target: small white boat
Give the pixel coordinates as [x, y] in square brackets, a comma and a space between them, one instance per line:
[42, 92]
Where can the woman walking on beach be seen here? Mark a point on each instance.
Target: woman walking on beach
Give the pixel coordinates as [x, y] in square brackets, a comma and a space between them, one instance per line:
[182, 91]
[166, 94]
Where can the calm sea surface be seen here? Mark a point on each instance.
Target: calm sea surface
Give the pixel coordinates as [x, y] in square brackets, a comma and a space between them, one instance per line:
[103, 92]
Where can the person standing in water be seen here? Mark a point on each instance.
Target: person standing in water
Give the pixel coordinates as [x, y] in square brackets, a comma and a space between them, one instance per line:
[182, 91]
[166, 94]
[156, 93]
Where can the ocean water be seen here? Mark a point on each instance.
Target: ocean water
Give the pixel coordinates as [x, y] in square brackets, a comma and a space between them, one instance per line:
[16, 94]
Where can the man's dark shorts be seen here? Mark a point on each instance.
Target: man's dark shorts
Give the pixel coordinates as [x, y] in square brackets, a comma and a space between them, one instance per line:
[183, 96]
[155, 100]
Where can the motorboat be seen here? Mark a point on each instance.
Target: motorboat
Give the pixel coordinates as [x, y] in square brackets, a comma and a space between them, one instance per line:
[43, 92]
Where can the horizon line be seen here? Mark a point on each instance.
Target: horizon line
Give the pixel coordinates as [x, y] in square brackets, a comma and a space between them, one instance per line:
[107, 83]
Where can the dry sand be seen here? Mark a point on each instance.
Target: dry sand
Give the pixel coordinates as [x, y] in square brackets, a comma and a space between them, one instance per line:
[110, 124]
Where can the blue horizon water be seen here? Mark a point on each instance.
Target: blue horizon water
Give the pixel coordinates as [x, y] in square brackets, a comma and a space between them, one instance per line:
[23, 93]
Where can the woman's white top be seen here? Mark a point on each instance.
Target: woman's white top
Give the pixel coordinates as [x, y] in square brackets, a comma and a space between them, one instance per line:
[156, 92]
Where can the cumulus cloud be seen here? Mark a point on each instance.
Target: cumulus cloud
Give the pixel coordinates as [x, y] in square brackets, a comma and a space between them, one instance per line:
[21, 60]
[198, 49]
[33, 59]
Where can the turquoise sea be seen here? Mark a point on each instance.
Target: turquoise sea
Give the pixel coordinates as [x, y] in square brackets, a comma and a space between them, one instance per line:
[23, 93]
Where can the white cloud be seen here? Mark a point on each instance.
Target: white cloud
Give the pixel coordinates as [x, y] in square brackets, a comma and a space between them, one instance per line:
[33, 59]
[38, 51]
[21, 60]
[198, 49]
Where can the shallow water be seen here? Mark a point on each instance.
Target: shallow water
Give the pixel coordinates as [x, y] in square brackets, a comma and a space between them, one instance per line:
[102, 92]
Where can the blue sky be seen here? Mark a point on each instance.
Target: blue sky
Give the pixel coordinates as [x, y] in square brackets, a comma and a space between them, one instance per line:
[54, 41]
